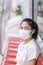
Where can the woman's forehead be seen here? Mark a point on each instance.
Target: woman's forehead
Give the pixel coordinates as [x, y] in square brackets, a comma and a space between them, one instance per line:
[25, 23]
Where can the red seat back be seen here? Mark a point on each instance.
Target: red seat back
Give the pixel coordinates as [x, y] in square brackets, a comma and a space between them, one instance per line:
[9, 57]
[40, 60]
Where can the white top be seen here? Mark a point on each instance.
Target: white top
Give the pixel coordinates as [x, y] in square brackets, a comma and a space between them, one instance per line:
[27, 52]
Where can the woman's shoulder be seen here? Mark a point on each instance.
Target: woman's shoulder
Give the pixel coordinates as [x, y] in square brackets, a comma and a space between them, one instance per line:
[34, 48]
[32, 44]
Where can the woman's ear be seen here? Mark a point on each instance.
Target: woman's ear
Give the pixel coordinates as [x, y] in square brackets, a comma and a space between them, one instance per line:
[33, 31]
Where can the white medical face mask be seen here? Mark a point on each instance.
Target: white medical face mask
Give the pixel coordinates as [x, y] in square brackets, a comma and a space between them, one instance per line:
[24, 34]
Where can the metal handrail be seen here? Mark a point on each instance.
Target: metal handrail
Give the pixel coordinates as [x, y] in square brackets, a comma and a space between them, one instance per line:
[39, 44]
[40, 34]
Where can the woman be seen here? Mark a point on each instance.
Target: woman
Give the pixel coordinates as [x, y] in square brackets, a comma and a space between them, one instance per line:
[28, 51]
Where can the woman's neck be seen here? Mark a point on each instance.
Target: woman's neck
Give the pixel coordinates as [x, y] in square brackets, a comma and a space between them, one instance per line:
[27, 40]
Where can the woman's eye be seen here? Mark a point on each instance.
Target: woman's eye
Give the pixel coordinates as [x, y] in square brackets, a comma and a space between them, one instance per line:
[21, 27]
[26, 28]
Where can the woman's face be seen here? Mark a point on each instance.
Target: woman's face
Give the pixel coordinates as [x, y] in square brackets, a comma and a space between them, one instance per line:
[25, 30]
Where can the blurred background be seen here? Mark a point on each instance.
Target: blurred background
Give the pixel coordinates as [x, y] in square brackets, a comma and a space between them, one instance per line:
[11, 14]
